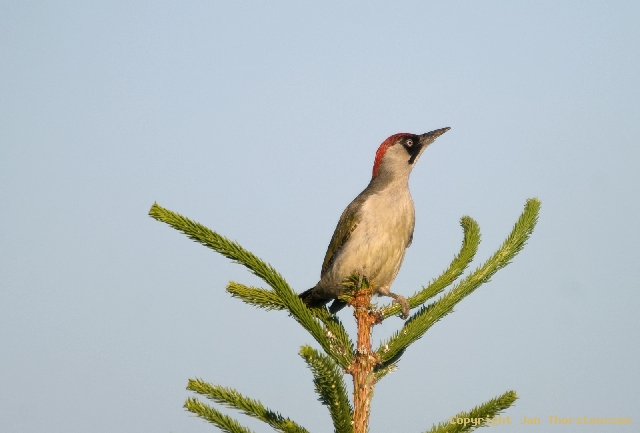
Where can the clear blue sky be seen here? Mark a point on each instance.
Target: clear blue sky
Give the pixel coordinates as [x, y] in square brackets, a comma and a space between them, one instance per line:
[261, 120]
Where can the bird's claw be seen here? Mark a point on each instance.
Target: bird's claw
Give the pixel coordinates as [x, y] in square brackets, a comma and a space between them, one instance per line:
[397, 299]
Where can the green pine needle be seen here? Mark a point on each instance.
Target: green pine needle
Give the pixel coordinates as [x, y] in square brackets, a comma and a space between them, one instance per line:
[460, 262]
[215, 417]
[342, 353]
[421, 321]
[253, 408]
[334, 331]
[482, 415]
[382, 370]
[261, 298]
[220, 244]
[329, 383]
[269, 300]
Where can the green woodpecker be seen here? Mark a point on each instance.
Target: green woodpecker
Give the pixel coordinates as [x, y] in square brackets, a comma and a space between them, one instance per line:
[375, 230]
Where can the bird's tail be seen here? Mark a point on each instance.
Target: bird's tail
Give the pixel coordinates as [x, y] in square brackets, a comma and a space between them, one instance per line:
[310, 300]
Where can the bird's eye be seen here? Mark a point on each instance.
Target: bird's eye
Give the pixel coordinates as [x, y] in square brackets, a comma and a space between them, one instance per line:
[409, 142]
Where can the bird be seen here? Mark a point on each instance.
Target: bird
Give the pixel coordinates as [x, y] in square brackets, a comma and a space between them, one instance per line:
[375, 230]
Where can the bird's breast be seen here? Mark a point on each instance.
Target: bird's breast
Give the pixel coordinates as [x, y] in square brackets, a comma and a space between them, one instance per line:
[377, 245]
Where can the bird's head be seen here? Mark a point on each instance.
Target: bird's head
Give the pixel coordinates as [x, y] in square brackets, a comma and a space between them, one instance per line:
[398, 154]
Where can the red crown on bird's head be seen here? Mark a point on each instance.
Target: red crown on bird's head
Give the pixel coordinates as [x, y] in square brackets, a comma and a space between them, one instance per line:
[383, 149]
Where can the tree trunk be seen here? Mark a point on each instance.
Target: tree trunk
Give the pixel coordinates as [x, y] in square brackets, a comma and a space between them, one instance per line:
[365, 360]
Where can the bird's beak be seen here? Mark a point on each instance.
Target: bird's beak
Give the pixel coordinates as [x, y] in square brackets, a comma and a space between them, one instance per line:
[431, 136]
[425, 141]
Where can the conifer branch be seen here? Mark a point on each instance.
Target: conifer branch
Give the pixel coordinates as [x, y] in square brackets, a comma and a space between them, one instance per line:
[420, 322]
[335, 331]
[330, 386]
[232, 250]
[253, 408]
[366, 367]
[268, 300]
[382, 370]
[215, 417]
[387, 366]
[340, 350]
[210, 239]
[460, 262]
[482, 415]
[256, 296]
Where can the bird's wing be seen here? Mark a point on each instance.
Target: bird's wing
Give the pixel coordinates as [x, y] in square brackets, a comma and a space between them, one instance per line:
[347, 224]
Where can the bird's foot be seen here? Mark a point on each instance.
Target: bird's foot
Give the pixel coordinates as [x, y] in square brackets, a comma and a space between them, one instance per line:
[398, 299]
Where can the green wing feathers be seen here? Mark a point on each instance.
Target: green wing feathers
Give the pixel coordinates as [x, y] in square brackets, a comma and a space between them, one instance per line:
[347, 224]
